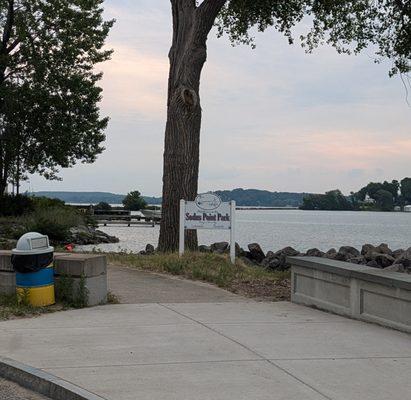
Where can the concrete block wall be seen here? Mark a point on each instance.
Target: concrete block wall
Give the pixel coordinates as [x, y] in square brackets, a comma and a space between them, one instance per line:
[356, 291]
[7, 274]
[92, 268]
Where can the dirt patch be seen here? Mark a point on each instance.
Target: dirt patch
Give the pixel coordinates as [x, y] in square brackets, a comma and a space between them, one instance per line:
[12, 391]
[264, 290]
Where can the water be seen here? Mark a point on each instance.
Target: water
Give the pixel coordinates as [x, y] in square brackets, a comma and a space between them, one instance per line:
[275, 229]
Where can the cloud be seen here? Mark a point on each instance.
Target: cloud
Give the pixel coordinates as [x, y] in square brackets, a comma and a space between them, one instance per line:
[274, 118]
[135, 83]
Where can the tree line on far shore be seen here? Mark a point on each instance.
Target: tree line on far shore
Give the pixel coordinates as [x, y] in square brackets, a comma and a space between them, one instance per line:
[376, 196]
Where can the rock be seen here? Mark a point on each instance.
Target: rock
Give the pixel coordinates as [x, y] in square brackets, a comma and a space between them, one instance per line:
[373, 264]
[220, 247]
[239, 251]
[288, 251]
[204, 249]
[383, 260]
[347, 252]
[404, 259]
[331, 253]
[315, 253]
[272, 263]
[384, 249]
[150, 249]
[257, 253]
[270, 254]
[367, 248]
[397, 253]
[357, 260]
[396, 268]
[282, 255]
[83, 235]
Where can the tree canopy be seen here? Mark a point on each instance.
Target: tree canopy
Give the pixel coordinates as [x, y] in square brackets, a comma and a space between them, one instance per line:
[134, 202]
[49, 114]
[350, 26]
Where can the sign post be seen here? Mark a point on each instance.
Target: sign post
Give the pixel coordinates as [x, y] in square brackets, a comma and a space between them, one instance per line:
[207, 212]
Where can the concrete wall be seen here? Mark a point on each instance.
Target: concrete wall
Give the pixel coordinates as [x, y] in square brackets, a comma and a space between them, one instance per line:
[357, 291]
[7, 274]
[92, 268]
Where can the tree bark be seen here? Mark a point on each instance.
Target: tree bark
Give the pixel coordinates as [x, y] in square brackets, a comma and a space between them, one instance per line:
[188, 54]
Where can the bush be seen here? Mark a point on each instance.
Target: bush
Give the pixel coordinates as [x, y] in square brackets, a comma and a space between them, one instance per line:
[103, 206]
[14, 206]
[45, 202]
[55, 222]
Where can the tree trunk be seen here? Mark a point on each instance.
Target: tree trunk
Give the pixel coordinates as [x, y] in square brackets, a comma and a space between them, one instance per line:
[188, 54]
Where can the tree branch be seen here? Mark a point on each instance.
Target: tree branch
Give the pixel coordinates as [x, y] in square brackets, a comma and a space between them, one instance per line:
[8, 28]
[207, 12]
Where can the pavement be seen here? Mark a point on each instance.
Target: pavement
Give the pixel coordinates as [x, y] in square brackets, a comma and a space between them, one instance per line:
[133, 287]
[12, 391]
[213, 350]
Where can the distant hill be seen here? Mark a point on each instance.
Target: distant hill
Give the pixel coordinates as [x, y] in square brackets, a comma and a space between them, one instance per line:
[262, 198]
[243, 197]
[91, 197]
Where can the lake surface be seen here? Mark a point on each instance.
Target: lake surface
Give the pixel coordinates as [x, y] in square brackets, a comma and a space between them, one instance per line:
[276, 229]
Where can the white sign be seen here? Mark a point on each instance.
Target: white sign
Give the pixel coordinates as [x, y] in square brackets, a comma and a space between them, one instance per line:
[196, 217]
[207, 212]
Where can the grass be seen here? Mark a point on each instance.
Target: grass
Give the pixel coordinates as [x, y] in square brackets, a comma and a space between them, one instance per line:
[243, 279]
[11, 306]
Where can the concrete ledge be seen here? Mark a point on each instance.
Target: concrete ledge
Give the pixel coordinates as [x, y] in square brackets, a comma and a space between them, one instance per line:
[43, 382]
[5, 261]
[7, 274]
[90, 267]
[77, 265]
[357, 291]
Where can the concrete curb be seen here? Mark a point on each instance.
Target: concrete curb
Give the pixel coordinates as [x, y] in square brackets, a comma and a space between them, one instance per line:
[42, 382]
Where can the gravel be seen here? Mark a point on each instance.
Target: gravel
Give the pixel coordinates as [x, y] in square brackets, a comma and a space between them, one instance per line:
[12, 391]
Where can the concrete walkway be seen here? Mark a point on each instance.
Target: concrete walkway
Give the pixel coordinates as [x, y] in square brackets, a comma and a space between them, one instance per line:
[133, 287]
[214, 351]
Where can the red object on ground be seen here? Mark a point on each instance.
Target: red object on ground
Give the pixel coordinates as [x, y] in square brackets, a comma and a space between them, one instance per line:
[69, 247]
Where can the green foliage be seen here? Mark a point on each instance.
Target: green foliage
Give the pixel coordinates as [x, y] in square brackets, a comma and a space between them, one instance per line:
[103, 206]
[15, 205]
[49, 97]
[385, 200]
[406, 189]
[134, 202]
[70, 294]
[46, 202]
[18, 306]
[262, 198]
[333, 200]
[55, 222]
[348, 25]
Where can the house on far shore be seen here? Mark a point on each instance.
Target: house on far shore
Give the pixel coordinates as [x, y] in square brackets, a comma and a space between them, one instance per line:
[407, 208]
[368, 200]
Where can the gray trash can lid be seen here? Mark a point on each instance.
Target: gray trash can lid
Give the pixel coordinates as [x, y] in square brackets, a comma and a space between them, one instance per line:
[33, 243]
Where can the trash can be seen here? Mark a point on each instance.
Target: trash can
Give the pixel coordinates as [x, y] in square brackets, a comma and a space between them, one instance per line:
[32, 260]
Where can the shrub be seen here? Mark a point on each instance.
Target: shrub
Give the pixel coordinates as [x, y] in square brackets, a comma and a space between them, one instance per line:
[45, 202]
[13, 206]
[103, 206]
[55, 222]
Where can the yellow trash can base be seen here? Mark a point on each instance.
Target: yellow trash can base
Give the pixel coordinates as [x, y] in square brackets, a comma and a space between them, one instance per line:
[37, 297]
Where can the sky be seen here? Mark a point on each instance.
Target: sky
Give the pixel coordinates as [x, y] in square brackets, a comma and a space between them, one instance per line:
[274, 118]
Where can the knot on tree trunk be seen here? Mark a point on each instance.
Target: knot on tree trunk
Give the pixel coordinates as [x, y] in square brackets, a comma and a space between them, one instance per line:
[189, 97]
